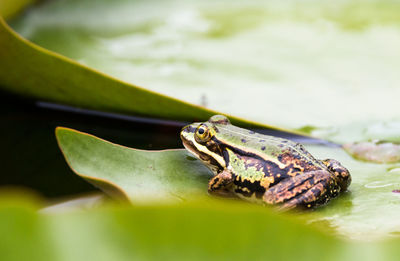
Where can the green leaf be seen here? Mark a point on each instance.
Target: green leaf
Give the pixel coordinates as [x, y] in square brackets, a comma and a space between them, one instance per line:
[368, 211]
[33, 71]
[8, 9]
[132, 174]
[204, 230]
[308, 66]
[198, 231]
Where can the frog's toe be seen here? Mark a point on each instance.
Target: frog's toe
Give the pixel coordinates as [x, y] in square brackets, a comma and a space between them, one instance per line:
[219, 184]
[341, 173]
[305, 190]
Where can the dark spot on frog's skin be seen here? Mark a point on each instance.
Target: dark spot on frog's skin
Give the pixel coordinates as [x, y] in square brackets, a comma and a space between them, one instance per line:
[396, 191]
[214, 182]
[253, 187]
[213, 146]
[225, 154]
[311, 182]
[251, 162]
[189, 129]
[302, 149]
[244, 141]
[263, 148]
[296, 163]
[262, 140]
[244, 193]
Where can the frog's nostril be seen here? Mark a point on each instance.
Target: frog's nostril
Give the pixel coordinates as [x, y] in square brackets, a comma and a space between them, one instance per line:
[185, 129]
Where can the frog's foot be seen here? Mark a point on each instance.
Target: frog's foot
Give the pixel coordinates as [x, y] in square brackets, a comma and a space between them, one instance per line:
[342, 175]
[305, 190]
[219, 185]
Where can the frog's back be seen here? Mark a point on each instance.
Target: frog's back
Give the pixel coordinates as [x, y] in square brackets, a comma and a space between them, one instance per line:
[267, 146]
[261, 161]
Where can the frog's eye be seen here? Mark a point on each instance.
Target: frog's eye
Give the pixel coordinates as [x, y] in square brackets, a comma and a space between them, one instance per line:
[202, 134]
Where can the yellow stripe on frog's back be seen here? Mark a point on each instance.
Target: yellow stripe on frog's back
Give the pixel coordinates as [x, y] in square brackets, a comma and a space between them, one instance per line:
[254, 143]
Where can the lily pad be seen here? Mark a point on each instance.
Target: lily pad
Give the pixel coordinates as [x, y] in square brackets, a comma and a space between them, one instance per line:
[33, 71]
[137, 175]
[287, 64]
[368, 211]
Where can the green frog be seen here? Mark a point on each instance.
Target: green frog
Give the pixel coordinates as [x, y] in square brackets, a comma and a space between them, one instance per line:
[263, 168]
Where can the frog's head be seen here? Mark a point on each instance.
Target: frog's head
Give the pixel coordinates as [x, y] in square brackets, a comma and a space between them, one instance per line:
[200, 140]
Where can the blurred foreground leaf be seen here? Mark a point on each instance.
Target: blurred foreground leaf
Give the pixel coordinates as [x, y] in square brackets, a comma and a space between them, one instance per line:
[196, 231]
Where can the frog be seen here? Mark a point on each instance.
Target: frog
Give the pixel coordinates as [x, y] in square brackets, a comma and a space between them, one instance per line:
[262, 168]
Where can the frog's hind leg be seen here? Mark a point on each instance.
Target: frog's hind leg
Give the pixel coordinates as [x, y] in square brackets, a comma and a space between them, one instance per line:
[220, 184]
[304, 190]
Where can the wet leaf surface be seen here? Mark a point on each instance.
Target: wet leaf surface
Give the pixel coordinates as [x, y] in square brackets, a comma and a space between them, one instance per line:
[368, 211]
[308, 66]
[32, 71]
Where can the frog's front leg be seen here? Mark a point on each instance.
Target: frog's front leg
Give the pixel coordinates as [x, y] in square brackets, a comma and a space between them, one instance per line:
[220, 184]
[304, 190]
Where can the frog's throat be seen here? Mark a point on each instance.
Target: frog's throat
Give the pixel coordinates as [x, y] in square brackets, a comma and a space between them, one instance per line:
[204, 154]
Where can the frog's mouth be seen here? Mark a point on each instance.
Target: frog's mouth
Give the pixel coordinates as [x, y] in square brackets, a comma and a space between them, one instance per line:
[200, 151]
[187, 137]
